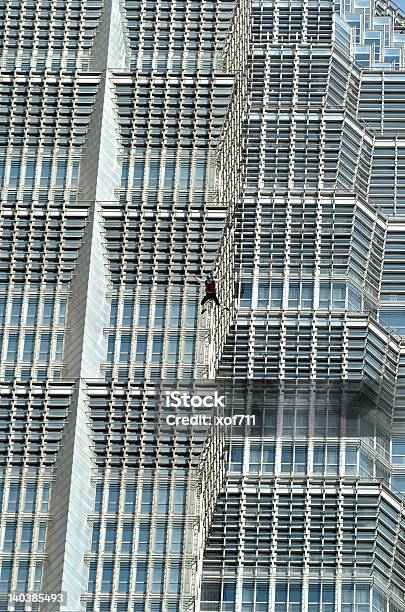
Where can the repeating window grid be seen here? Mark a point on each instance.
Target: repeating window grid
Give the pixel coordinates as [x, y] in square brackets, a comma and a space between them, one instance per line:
[369, 33]
[172, 327]
[35, 408]
[17, 264]
[43, 93]
[27, 515]
[67, 24]
[142, 547]
[204, 35]
[32, 317]
[329, 510]
[323, 353]
[23, 173]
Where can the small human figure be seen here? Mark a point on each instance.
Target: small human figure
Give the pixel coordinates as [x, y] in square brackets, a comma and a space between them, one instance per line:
[210, 284]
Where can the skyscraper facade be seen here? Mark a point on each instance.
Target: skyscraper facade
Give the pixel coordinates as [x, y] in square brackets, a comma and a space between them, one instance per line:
[311, 171]
[142, 143]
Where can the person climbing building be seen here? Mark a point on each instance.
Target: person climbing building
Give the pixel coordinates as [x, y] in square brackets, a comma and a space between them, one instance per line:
[210, 285]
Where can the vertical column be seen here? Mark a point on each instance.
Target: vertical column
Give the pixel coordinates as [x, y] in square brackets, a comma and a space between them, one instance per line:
[68, 537]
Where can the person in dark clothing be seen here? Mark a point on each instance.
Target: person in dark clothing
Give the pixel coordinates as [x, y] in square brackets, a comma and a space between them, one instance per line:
[210, 284]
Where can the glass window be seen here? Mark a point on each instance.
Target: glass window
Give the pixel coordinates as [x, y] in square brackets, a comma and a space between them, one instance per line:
[307, 296]
[141, 577]
[95, 537]
[157, 349]
[44, 348]
[286, 459]
[177, 539]
[16, 309]
[9, 536]
[124, 175]
[141, 346]
[179, 499]
[62, 312]
[144, 537]
[321, 597]
[143, 314]
[199, 176]
[41, 537]
[362, 598]
[184, 177]
[262, 598]
[61, 172]
[59, 347]
[398, 451]
[160, 312]
[319, 459]
[263, 294]
[45, 497]
[189, 349]
[300, 464]
[107, 578]
[91, 585]
[154, 170]
[23, 575]
[110, 537]
[175, 312]
[146, 500]
[191, 313]
[29, 345]
[14, 173]
[347, 597]
[293, 296]
[248, 595]
[30, 497]
[174, 579]
[130, 496]
[269, 453]
[37, 576]
[138, 173]
[163, 498]
[5, 576]
[170, 166]
[32, 311]
[46, 171]
[229, 596]
[113, 498]
[114, 311]
[160, 539]
[75, 173]
[111, 348]
[236, 459]
[47, 314]
[157, 578]
[246, 294]
[3, 305]
[173, 349]
[276, 296]
[255, 458]
[12, 347]
[338, 295]
[125, 348]
[127, 535]
[332, 459]
[324, 296]
[26, 536]
[124, 577]
[128, 312]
